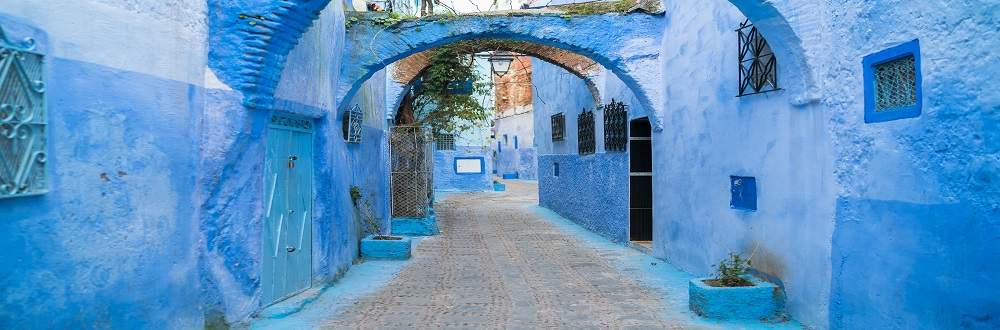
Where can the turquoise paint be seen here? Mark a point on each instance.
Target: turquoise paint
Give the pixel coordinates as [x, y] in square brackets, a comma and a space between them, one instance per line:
[761, 302]
[499, 187]
[385, 249]
[288, 186]
[426, 226]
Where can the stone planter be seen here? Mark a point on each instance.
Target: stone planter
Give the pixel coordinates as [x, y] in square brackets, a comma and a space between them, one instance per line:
[499, 187]
[763, 301]
[426, 226]
[393, 249]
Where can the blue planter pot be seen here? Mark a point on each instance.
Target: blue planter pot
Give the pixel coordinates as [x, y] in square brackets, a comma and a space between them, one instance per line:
[385, 249]
[499, 187]
[763, 301]
[426, 226]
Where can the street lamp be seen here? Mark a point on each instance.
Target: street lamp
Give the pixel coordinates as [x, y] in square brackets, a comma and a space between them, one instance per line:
[500, 62]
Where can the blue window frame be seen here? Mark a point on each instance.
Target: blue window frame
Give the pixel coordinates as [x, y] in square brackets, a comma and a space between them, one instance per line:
[515, 142]
[461, 165]
[499, 147]
[505, 141]
[555, 169]
[893, 86]
[743, 190]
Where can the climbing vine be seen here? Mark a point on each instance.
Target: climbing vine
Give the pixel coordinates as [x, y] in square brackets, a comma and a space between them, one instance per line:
[444, 98]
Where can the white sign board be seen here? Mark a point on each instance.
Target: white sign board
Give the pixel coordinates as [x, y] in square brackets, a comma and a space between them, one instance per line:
[468, 165]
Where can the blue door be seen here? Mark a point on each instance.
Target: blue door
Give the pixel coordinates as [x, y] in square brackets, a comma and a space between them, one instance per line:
[286, 263]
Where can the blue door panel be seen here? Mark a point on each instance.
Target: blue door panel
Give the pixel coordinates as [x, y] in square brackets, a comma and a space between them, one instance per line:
[286, 265]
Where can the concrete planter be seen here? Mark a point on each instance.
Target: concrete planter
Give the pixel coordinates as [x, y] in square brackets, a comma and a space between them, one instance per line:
[763, 301]
[372, 248]
[499, 187]
[426, 226]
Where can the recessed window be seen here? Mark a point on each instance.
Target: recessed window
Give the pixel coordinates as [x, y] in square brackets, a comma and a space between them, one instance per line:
[352, 121]
[893, 83]
[585, 132]
[758, 66]
[558, 127]
[22, 120]
[445, 141]
[555, 169]
[516, 146]
[615, 126]
[743, 191]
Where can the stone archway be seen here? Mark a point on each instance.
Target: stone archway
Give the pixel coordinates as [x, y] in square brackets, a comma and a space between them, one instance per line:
[629, 48]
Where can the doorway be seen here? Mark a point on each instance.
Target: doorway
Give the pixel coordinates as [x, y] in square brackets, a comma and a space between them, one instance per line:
[286, 264]
[641, 182]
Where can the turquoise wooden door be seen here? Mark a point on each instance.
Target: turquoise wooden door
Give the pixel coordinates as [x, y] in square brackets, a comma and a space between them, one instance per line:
[288, 194]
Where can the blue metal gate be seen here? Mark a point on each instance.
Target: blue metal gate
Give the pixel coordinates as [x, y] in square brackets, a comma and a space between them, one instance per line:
[286, 264]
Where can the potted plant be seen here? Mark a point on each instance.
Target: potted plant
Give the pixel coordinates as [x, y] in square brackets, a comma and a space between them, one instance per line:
[734, 294]
[375, 245]
[498, 186]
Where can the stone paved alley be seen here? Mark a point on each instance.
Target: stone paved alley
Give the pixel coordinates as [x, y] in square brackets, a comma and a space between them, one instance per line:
[503, 262]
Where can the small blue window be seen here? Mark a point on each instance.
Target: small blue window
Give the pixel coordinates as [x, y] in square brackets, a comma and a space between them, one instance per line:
[893, 87]
[515, 142]
[555, 169]
[505, 141]
[499, 147]
[743, 191]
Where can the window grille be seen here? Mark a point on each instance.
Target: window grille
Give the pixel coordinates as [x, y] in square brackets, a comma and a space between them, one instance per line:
[352, 121]
[22, 119]
[895, 84]
[758, 67]
[445, 141]
[558, 127]
[585, 130]
[615, 126]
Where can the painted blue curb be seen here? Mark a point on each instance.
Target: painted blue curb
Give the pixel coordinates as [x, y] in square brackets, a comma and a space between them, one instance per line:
[385, 249]
[499, 187]
[426, 226]
[763, 301]
[510, 176]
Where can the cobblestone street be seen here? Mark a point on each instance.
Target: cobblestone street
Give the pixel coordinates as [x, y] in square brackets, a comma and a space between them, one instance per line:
[497, 264]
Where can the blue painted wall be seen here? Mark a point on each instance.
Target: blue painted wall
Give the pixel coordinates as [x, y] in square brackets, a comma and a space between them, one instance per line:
[590, 190]
[445, 178]
[519, 158]
[583, 181]
[116, 232]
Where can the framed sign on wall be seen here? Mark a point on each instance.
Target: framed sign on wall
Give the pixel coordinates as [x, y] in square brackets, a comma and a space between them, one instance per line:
[470, 165]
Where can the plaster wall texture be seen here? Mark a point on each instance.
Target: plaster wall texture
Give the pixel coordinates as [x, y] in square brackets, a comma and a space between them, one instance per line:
[445, 178]
[710, 135]
[583, 181]
[232, 260]
[116, 233]
[517, 158]
[928, 183]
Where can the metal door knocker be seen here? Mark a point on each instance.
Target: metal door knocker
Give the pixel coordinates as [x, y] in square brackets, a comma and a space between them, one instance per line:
[291, 161]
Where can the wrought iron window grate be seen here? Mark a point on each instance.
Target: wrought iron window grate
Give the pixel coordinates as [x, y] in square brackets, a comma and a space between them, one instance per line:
[22, 119]
[615, 126]
[758, 66]
[352, 121]
[585, 130]
[558, 127]
[896, 84]
[445, 141]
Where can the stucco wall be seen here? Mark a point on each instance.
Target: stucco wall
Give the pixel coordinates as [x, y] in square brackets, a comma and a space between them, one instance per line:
[710, 134]
[445, 178]
[917, 209]
[517, 157]
[583, 181]
[117, 231]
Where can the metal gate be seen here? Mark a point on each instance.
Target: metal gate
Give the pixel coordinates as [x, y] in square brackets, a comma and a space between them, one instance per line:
[412, 167]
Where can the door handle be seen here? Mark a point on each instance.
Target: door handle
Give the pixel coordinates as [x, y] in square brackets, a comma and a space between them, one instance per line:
[290, 249]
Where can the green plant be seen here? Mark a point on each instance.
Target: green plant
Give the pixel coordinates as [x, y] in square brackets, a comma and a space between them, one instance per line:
[351, 21]
[598, 7]
[391, 19]
[730, 271]
[435, 103]
[355, 194]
